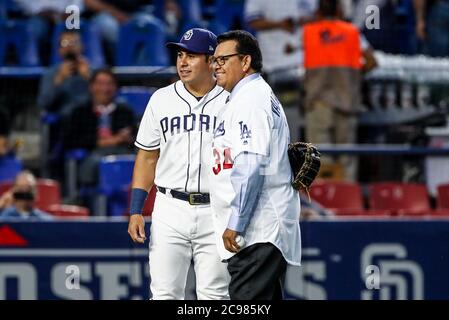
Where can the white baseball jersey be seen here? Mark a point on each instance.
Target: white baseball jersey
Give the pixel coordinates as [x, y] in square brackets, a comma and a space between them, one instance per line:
[254, 121]
[182, 128]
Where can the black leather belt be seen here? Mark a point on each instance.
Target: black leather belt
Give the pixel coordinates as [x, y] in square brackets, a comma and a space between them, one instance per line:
[192, 198]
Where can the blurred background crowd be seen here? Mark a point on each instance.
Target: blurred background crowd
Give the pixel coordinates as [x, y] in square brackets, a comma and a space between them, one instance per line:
[373, 93]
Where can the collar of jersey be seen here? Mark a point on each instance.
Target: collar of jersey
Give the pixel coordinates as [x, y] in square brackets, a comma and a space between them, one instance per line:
[190, 98]
[242, 82]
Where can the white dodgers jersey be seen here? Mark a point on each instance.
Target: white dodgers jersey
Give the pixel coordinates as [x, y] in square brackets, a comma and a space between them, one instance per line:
[253, 121]
[182, 128]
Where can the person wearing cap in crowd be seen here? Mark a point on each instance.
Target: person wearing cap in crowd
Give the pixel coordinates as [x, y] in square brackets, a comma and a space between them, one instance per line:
[174, 138]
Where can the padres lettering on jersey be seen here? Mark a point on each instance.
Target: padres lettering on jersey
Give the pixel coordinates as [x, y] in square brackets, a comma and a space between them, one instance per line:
[182, 128]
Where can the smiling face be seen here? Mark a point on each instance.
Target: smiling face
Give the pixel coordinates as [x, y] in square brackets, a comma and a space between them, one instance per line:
[193, 68]
[70, 43]
[230, 66]
[103, 89]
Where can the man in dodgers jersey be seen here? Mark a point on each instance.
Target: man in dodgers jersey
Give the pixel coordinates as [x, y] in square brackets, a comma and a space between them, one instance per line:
[174, 139]
[251, 194]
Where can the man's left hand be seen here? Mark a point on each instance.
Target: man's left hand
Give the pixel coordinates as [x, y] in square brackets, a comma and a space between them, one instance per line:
[229, 240]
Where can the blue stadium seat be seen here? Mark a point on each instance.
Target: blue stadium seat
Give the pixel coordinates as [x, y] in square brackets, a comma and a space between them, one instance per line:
[136, 97]
[91, 39]
[142, 43]
[17, 34]
[115, 175]
[8, 7]
[227, 13]
[9, 168]
[191, 10]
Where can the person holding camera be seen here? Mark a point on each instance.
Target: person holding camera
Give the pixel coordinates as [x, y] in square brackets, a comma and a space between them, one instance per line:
[63, 87]
[19, 201]
[66, 84]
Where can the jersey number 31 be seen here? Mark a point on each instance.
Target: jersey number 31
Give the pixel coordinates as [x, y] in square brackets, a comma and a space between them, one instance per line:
[227, 162]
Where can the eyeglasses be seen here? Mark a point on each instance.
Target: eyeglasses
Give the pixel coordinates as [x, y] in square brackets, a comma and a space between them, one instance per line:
[69, 43]
[222, 59]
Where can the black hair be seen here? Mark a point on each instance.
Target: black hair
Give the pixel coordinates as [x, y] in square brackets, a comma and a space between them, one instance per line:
[328, 8]
[69, 31]
[99, 71]
[246, 44]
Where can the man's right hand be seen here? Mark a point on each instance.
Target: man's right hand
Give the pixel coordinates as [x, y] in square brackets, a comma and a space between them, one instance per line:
[136, 228]
[67, 69]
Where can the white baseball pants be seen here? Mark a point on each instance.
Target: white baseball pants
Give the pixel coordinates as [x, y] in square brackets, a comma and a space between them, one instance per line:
[180, 233]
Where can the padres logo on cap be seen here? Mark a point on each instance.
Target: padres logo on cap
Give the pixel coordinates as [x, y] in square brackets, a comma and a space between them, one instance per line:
[188, 34]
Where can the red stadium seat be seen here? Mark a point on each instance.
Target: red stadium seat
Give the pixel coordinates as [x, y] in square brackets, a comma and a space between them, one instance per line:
[149, 203]
[340, 197]
[68, 211]
[443, 196]
[343, 198]
[440, 213]
[401, 199]
[5, 186]
[48, 193]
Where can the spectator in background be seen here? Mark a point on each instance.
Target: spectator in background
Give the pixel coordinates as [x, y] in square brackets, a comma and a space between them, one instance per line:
[101, 126]
[19, 201]
[332, 57]
[396, 34]
[65, 85]
[43, 14]
[62, 87]
[276, 23]
[432, 26]
[108, 15]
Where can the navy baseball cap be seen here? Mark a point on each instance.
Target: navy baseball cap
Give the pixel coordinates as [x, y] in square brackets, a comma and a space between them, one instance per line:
[196, 40]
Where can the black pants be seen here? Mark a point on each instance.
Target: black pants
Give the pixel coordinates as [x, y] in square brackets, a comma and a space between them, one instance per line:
[257, 273]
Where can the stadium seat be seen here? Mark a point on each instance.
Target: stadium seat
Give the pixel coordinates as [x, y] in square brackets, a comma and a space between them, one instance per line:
[401, 199]
[48, 193]
[142, 43]
[91, 39]
[191, 10]
[68, 211]
[149, 202]
[5, 186]
[17, 34]
[115, 175]
[8, 8]
[136, 97]
[229, 15]
[343, 198]
[9, 168]
[443, 196]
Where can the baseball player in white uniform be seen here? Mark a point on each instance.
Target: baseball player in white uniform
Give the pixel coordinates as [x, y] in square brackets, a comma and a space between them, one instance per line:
[174, 142]
[251, 192]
